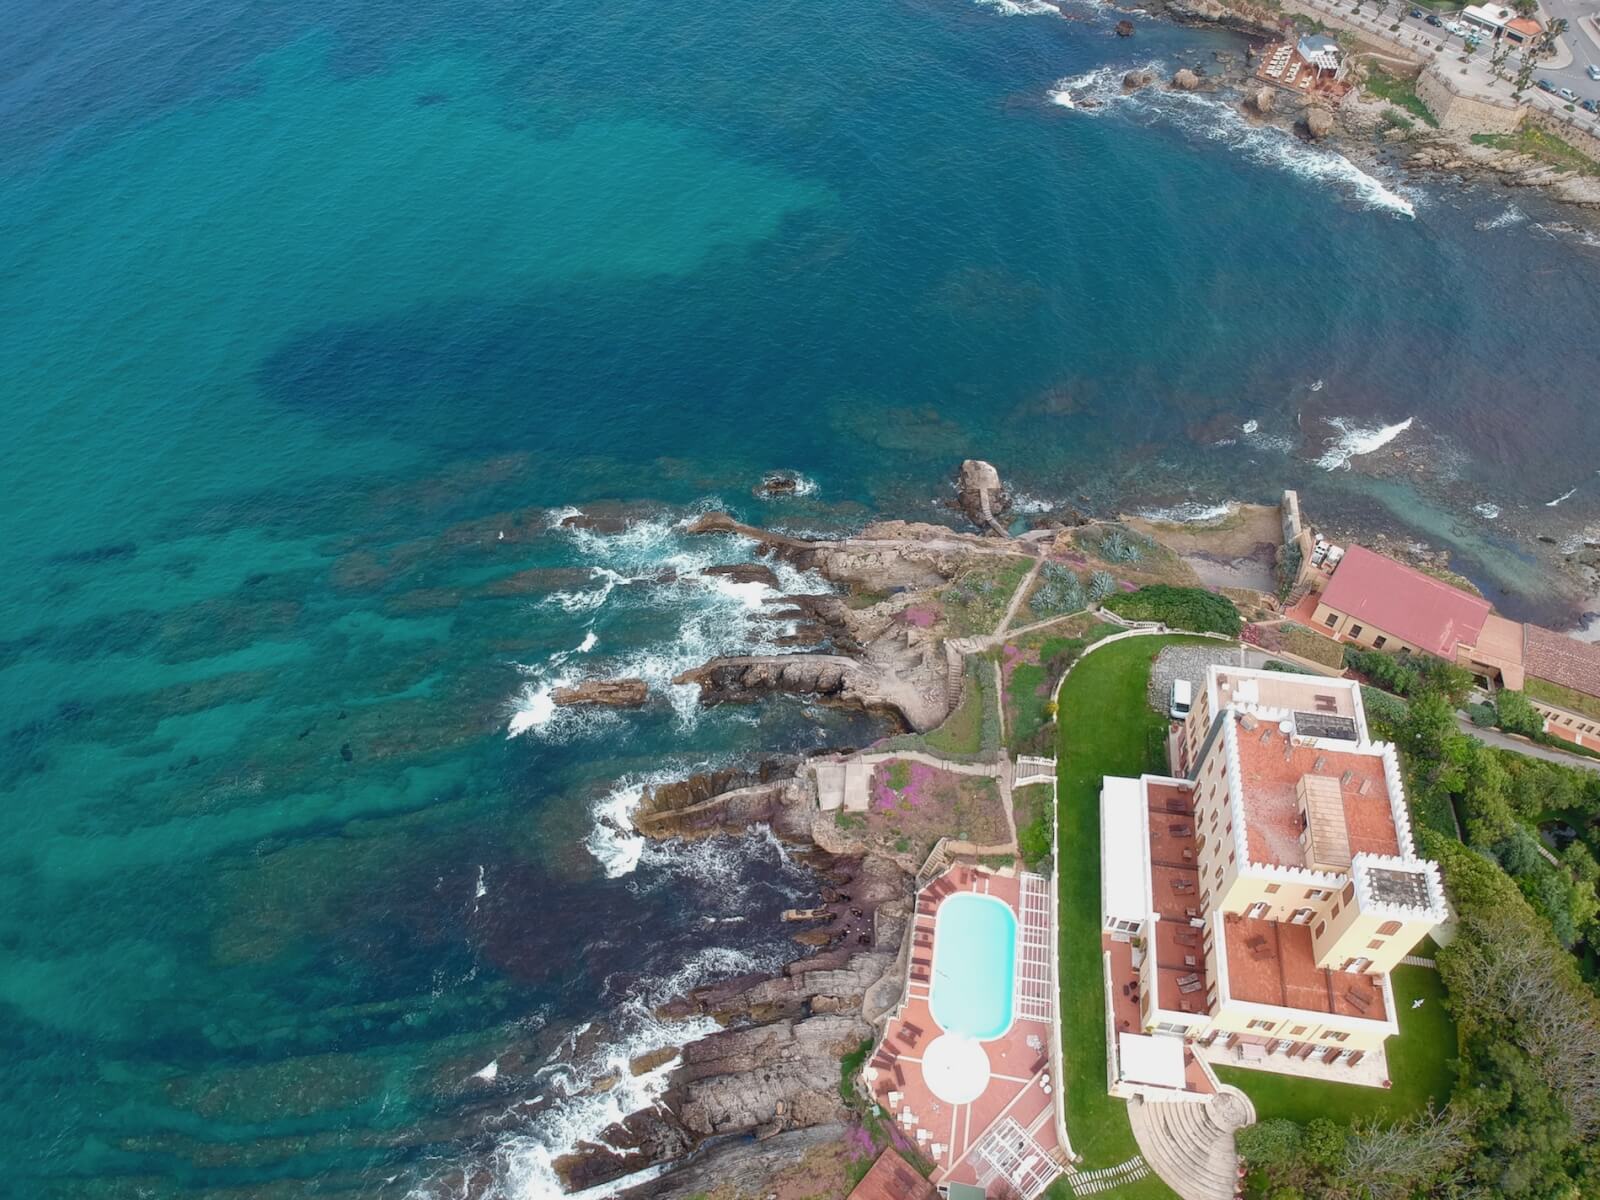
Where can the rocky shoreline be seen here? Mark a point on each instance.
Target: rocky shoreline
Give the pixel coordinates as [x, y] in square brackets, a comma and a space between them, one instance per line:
[1359, 127]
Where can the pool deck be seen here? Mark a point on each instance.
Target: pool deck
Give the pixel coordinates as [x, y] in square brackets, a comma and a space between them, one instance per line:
[1013, 1120]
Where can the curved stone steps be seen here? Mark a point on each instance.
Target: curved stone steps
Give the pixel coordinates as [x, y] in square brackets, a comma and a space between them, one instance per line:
[1189, 1143]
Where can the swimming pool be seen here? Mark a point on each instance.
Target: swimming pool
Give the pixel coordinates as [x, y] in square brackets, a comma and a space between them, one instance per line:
[974, 961]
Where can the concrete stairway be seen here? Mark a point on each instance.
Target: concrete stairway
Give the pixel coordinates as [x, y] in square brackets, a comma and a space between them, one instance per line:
[1190, 1144]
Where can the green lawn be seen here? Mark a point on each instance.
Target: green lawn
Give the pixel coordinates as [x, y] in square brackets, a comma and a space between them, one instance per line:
[1543, 145]
[1399, 92]
[1562, 697]
[1421, 1063]
[1106, 729]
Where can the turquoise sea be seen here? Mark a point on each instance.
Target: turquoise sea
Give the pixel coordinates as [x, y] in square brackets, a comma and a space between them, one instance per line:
[315, 319]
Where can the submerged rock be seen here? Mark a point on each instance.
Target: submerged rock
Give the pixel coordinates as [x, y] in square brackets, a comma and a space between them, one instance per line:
[1124, 28]
[612, 693]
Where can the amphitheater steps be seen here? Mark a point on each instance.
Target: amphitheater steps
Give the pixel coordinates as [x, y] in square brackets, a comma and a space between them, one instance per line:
[1190, 1143]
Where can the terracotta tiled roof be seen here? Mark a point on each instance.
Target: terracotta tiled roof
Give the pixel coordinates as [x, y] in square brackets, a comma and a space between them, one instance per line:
[1273, 962]
[1404, 602]
[1270, 781]
[1559, 659]
[891, 1178]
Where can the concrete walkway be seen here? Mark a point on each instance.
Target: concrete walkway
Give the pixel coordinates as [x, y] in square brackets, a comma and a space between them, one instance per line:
[1501, 741]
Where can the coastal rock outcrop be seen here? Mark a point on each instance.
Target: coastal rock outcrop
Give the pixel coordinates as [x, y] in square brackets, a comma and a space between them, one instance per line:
[1185, 80]
[981, 496]
[1136, 79]
[1319, 122]
[1124, 28]
[778, 483]
[610, 693]
[745, 573]
[1263, 101]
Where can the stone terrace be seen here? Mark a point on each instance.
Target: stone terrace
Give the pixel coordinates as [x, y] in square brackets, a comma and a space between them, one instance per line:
[1175, 881]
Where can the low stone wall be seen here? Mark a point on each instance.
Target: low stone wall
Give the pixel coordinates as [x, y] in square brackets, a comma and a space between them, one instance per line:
[1461, 113]
[1568, 131]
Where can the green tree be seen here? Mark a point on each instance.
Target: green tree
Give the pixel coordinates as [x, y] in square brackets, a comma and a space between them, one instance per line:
[1517, 715]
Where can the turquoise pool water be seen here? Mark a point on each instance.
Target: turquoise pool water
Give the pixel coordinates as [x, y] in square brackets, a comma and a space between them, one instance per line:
[974, 959]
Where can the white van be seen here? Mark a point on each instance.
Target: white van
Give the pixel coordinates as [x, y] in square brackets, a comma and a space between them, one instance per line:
[1182, 697]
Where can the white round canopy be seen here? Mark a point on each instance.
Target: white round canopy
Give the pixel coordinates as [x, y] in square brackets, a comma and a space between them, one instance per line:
[956, 1068]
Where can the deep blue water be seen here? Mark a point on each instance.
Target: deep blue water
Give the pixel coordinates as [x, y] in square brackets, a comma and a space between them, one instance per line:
[315, 317]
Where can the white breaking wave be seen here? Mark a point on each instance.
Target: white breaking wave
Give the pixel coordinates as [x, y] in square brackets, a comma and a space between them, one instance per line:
[1511, 216]
[1355, 440]
[1190, 512]
[1566, 495]
[1250, 426]
[715, 616]
[1315, 387]
[1486, 510]
[1022, 8]
[488, 1074]
[1028, 505]
[1220, 121]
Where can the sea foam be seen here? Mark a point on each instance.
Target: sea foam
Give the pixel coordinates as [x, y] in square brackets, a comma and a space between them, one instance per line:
[1352, 441]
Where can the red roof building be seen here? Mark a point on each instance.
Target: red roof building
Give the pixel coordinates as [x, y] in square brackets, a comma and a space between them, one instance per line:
[1379, 602]
[891, 1178]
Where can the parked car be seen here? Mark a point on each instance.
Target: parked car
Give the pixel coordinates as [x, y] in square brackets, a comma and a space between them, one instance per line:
[1594, 71]
[1546, 86]
[1434, 20]
[1567, 94]
[1589, 106]
[1416, 14]
[1182, 698]
[1455, 27]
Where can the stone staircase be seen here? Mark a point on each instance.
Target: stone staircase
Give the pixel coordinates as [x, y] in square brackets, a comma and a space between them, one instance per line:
[1189, 1143]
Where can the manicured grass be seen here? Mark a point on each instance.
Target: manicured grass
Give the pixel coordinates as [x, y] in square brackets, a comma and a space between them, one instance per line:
[1543, 145]
[1562, 697]
[1106, 729]
[1421, 1063]
[1400, 92]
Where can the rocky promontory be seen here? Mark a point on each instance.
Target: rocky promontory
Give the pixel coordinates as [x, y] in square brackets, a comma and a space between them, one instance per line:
[609, 693]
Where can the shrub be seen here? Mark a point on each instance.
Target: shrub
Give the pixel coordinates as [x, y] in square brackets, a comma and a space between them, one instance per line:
[1483, 715]
[1271, 1143]
[1060, 591]
[1101, 585]
[1517, 715]
[1194, 609]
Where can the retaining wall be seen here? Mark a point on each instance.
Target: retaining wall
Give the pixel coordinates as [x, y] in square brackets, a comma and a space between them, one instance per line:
[1461, 113]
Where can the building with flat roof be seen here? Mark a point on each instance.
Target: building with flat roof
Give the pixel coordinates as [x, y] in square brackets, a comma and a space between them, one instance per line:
[1268, 889]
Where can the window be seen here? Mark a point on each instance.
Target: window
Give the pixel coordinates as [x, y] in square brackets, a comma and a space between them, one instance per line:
[1271, 888]
[1378, 642]
[1219, 872]
[1357, 965]
[1317, 894]
[1355, 631]
[1335, 911]
[1302, 916]
[1389, 929]
[1333, 619]
[1337, 1037]
[1297, 1031]
[1266, 1026]
[1321, 925]
[1349, 892]
[1375, 944]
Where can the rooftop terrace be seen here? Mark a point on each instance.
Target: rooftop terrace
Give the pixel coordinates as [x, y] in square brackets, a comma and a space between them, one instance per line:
[1272, 767]
[1272, 962]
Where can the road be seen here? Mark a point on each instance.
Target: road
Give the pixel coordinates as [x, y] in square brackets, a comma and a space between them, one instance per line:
[1581, 47]
[1493, 737]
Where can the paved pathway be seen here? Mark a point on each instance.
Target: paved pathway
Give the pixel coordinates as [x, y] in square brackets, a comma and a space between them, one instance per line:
[1493, 737]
